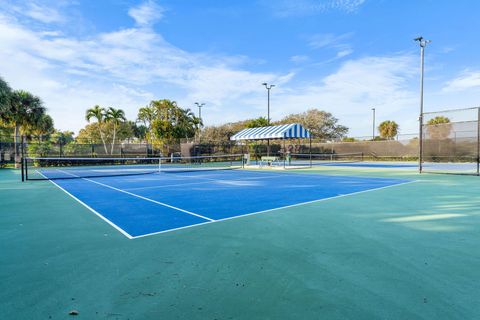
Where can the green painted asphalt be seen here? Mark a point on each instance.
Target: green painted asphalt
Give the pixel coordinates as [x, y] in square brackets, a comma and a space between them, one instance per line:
[405, 252]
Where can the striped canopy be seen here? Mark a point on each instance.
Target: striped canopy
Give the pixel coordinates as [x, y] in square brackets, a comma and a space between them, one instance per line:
[293, 130]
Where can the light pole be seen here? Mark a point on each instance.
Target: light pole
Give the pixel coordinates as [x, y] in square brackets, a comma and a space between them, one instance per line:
[373, 129]
[423, 43]
[200, 105]
[268, 87]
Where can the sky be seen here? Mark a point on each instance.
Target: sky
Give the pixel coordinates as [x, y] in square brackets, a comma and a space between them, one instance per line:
[341, 56]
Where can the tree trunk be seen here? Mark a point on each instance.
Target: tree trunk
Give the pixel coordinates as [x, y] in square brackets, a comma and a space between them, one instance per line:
[114, 134]
[103, 139]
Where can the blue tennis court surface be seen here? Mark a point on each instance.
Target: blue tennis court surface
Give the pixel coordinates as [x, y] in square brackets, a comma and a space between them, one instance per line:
[154, 203]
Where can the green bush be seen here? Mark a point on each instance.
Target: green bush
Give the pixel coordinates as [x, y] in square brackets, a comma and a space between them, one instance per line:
[40, 149]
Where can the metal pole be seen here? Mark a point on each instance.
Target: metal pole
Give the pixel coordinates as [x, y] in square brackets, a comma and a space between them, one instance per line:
[268, 87]
[373, 129]
[420, 151]
[268, 106]
[423, 43]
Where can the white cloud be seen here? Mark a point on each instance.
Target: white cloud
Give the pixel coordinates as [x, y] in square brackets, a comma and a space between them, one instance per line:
[344, 53]
[332, 42]
[129, 67]
[328, 40]
[147, 13]
[286, 8]
[72, 74]
[357, 86]
[467, 80]
[43, 14]
[35, 10]
[299, 58]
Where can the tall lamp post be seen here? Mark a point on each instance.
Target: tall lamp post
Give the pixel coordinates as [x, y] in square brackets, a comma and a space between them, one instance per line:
[373, 128]
[423, 43]
[199, 105]
[268, 87]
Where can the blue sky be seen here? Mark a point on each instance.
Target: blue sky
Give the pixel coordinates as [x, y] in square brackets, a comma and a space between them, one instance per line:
[342, 56]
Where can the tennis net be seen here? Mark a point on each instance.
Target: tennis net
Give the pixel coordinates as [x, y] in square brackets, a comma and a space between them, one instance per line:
[71, 168]
[315, 159]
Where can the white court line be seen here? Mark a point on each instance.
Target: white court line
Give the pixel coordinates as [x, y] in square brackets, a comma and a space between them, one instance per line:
[141, 197]
[126, 234]
[279, 208]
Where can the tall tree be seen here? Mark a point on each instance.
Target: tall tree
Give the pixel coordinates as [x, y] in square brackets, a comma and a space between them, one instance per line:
[439, 127]
[321, 124]
[62, 137]
[42, 127]
[5, 95]
[166, 122]
[98, 113]
[24, 110]
[388, 129]
[90, 133]
[258, 122]
[147, 115]
[114, 116]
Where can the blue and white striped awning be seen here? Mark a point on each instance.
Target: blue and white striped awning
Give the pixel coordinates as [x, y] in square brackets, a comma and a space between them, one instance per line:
[286, 131]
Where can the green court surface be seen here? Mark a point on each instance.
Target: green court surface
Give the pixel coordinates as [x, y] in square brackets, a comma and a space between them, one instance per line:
[410, 251]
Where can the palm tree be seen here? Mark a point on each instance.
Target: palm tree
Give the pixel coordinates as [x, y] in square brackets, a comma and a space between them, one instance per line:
[439, 127]
[43, 126]
[147, 116]
[23, 110]
[388, 129]
[98, 113]
[115, 116]
[5, 95]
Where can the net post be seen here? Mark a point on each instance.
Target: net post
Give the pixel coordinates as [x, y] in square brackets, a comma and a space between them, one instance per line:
[23, 169]
[26, 168]
[22, 149]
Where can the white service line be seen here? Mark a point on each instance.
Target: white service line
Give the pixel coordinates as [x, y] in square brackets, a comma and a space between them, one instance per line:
[203, 182]
[279, 208]
[141, 197]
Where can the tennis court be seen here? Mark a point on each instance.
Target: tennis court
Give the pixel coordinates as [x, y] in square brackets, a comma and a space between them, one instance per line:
[142, 239]
[148, 204]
